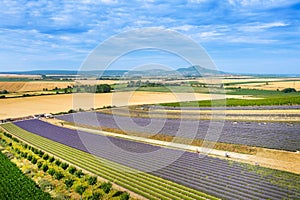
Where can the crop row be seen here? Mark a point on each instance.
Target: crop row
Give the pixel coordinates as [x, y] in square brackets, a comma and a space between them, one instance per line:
[142, 183]
[15, 185]
[210, 175]
[68, 175]
[269, 135]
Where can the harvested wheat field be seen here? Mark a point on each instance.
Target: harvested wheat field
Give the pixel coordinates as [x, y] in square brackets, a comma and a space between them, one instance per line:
[32, 86]
[20, 107]
[272, 85]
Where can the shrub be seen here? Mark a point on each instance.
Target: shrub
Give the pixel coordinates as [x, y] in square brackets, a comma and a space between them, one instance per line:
[92, 180]
[45, 156]
[41, 153]
[95, 196]
[61, 196]
[106, 187]
[29, 157]
[51, 159]
[64, 165]
[34, 160]
[39, 164]
[45, 185]
[80, 189]
[72, 170]
[24, 154]
[124, 196]
[69, 182]
[288, 90]
[79, 173]
[57, 162]
[51, 171]
[58, 175]
[45, 167]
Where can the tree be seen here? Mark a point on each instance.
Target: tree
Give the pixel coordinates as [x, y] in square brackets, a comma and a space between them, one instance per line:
[289, 90]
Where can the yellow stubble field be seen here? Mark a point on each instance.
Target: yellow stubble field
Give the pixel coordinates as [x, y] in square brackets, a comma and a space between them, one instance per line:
[20, 107]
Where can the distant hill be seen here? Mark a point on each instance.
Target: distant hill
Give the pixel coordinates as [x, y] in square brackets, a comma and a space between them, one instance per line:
[196, 70]
[193, 71]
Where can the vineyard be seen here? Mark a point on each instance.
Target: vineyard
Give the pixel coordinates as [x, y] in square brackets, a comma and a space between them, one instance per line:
[15, 185]
[275, 135]
[183, 179]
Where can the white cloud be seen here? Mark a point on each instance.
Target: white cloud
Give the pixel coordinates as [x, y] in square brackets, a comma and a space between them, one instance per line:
[185, 27]
[260, 3]
[256, 27]
[198, 1]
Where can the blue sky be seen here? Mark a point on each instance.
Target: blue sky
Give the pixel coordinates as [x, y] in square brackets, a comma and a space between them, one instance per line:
[250, 36]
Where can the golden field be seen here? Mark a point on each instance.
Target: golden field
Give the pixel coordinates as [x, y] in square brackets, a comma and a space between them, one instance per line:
[20, 107]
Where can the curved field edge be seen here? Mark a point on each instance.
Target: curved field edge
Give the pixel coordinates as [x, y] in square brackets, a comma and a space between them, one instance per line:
[144, 184]
[15, 185]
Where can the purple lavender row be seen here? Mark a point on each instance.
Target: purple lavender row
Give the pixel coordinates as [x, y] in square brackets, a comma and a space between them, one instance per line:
[211, 175]
[272, 135]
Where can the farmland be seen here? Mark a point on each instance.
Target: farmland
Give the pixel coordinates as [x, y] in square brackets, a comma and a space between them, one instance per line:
[273, 135]
[226, 180]
[15, 185]
[20, 107]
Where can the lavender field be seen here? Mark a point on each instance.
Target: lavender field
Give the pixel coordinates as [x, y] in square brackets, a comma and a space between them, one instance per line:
[275, 135]
[210, 175]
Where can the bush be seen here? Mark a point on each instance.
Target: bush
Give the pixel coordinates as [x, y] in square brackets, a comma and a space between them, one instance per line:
[29, 157]
[51, 171]
[45, 185]
[24, 154]
[72, 170]
[79, 173]
[69, 182]
[39, 164]
[64, 165]
[34, 160]
[57, 162]
[106, 187]
[51, 159]
[45, 156]
[95, 196]
[41, 153]
[288, 90]
[92, 180]
[45, 167]
[61, 196]
[80, 189]
[58, 175]
[124, 196]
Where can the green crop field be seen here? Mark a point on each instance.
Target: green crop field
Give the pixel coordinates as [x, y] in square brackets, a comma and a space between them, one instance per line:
[15, 185]
[267, 98]
[147, 185]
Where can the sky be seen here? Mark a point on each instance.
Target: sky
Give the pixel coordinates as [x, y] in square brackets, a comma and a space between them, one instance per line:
[242, 36]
